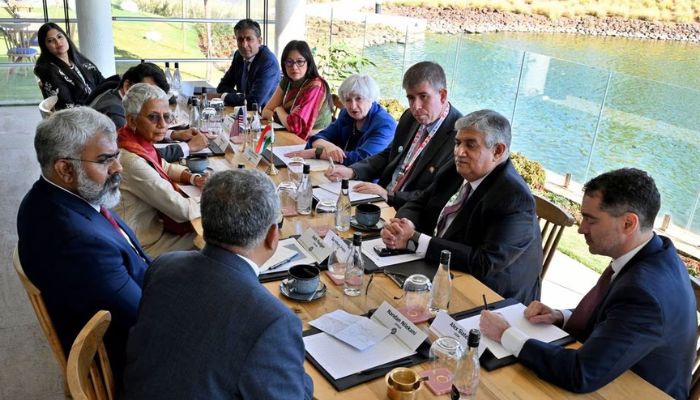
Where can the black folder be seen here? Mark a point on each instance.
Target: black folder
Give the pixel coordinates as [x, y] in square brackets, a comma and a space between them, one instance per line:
[487, 360]
[276, 160]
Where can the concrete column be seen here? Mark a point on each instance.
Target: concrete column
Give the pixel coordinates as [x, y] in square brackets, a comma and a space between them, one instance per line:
[290, 23]
[95, 33]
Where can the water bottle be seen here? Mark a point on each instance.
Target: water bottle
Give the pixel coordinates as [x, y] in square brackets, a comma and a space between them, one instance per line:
[204, 101]
[442, 285]
[342, 208]
[355, 268]
[195, 120]
[168, 75]
[305, 193]
[466, 380]
[177, 80]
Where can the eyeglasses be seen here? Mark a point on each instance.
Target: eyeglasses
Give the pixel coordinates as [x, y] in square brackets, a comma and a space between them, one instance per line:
[106, 160]
[154, 117]
[299, 63]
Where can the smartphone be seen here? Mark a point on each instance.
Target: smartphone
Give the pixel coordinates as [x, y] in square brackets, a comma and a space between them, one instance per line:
[385, 252]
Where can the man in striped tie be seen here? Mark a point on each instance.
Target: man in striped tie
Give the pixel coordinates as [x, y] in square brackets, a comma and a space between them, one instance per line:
[481, 210]
[641, 315]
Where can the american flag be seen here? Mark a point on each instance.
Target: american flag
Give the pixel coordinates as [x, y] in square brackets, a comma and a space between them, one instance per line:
[240, 120]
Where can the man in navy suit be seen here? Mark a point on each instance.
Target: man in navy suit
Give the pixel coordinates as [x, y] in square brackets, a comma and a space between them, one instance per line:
[641, 315]
[207, 328]
[254, 72]
[480, 209]
[82, 257]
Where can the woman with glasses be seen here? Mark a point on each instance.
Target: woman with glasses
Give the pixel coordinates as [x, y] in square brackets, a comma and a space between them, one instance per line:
[152, 203]
[62, 70]
[362, 129]
[302, 102]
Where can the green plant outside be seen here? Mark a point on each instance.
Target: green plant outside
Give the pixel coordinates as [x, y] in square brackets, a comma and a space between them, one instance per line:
[337, 63]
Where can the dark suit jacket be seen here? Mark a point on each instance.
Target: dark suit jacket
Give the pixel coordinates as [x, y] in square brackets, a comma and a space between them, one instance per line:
[646, 322]
[263, 77]
[495, 236]
[81, 264]
[208, 329]
[110, 104]
[435, 156]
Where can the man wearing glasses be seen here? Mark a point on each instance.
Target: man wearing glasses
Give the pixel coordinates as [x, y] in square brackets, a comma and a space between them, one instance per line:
[82, 257]
[254, 72]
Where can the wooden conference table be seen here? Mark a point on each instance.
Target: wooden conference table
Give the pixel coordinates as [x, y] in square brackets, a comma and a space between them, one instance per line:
[511, 382]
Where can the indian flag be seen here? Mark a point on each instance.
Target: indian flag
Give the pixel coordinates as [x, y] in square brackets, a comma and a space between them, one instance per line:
[267, 137]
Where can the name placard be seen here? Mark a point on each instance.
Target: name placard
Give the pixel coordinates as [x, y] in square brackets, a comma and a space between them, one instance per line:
[337, 244]
[405, 330]
[444, 325]
[251, 156]
[315, 245]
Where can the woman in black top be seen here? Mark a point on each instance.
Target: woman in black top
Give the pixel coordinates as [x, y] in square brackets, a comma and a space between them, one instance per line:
[62, 70]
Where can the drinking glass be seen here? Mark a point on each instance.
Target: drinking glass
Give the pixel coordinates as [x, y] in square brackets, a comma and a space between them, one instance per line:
[337, 263]
[206, 120]
[295, 169]
[324, 218]
[446, 352]
[416, 296]
[287, 192]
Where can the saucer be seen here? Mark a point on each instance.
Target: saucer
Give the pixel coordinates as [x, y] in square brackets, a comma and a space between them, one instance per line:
[377, 227]
[320, 292]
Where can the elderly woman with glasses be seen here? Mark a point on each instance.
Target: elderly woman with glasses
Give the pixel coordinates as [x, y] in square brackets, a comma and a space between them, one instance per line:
[362, 129]
[302, 102]
[152, 203]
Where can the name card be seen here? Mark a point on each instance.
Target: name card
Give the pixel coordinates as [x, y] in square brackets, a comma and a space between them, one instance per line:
[405, 330]
[337, 244]
[444, 325]
[221, 141]
[315, 245]
[251, 156]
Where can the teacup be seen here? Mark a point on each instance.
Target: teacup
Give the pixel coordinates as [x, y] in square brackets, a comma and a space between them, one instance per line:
[367, 214]
[303, 279]
[197, 164]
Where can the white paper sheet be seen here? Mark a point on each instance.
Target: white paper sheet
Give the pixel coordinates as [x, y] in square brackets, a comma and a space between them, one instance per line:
[281, 256]
[192, 192]
[368, 250]
[316, 165]
[515, 317]
[359, 332]
[302, 257]
[334, 187]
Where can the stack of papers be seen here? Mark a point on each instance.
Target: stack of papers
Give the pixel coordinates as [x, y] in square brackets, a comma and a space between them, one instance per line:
[316, 165]
[288, 254]
[359, 332]
[331, 191]
[368, 250]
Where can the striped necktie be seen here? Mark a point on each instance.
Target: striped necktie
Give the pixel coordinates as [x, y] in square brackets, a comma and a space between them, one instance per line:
[453, 208]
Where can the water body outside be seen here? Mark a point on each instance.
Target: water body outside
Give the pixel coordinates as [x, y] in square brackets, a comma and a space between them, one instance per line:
[650, 118]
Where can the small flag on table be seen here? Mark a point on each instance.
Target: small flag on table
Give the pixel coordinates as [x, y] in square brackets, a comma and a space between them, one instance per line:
[240, 118]
[267, 137]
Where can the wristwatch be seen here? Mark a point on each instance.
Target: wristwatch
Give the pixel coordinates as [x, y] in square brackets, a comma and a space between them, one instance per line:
[319, 151]
[412, 243]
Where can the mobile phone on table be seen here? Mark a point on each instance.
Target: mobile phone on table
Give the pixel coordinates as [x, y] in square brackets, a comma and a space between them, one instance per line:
[386, 252]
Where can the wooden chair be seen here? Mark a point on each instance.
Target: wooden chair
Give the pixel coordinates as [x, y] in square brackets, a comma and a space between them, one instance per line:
[695, 381]
[42, 314]
[553, 219]
[337, 106]
[46, 107]
[88, 370]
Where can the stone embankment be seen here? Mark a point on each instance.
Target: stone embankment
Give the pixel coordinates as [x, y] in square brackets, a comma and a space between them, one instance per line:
[457, 20]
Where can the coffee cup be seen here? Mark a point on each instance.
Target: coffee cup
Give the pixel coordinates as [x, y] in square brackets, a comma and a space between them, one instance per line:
[303, 279]
[197, 164]
[402, 383]
[367, 214]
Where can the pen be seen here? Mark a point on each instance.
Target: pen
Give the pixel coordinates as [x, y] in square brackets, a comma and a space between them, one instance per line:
[387, 366]
[486, 305]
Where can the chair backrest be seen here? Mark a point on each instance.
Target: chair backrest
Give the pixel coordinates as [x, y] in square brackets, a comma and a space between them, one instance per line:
[337, 105]
[553, 219]
[46, 106]
[41, 313]
[695, 382]
[88, 370]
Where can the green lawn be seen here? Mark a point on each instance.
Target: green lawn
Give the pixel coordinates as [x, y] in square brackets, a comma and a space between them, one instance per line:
[574, 245]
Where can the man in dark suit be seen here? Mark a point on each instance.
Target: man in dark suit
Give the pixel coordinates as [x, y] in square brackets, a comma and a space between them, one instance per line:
[254, 72]
[110, 103]
[81, 261]
[422, 144]
[641, 315]
[207, 328]
[482, 211]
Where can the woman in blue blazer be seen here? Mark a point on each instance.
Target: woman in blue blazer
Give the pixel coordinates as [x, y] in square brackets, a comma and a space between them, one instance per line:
[362, 129]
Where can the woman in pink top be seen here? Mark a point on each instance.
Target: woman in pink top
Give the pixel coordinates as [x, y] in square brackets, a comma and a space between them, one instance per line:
[302, 102]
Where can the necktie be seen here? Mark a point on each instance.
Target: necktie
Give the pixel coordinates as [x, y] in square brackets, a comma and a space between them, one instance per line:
[105, 212]
[454, 207]
[409, 160]
[244, 77]
[584, 310]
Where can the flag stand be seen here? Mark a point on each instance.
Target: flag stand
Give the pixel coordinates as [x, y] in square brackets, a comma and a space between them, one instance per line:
[271, 169]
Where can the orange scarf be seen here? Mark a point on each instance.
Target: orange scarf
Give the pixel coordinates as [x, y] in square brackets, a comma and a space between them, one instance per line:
[128, 140]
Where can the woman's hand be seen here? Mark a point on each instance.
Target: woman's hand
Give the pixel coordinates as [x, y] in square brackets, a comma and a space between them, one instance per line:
[307, 153]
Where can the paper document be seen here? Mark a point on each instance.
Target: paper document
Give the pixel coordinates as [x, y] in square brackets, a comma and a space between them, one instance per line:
[368, 250]
[334, 187]
[192, 192]
[287, 246]
[359, 332]
[316, 165]
[515, 317]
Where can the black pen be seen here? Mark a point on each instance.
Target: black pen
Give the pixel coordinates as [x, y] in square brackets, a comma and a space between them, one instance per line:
[387, 366]
[486, 305]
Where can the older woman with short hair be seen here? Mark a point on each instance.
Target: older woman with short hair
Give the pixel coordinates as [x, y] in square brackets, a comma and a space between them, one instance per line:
[152, 203]
[363, 128]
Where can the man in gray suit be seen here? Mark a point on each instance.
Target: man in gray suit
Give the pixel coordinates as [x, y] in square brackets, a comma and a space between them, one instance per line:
[207, 328]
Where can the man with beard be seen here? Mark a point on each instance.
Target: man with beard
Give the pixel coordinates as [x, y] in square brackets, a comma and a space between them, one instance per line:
[82, 257]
